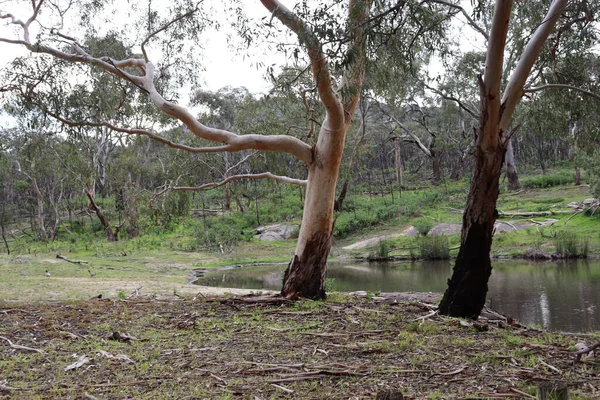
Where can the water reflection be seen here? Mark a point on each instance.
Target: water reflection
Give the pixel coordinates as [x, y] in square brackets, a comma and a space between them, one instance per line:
[558, 295]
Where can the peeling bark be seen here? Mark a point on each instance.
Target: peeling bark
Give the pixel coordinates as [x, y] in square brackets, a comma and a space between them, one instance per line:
[305, 274]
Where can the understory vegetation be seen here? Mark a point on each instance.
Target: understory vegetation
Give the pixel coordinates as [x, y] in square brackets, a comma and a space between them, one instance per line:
[200, 225]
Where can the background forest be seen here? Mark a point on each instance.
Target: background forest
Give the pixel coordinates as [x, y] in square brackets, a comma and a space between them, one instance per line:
[69, 171]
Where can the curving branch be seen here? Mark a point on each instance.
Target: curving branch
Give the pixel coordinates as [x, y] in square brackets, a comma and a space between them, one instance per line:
[470, 20]
[514, 88]
[318, 59]
[561, 86]
[454, 99]
[144, 79]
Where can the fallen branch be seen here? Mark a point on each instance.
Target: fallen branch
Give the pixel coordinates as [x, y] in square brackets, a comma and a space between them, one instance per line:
[522, 393]
[424, 317]
[509, 224]
[583, 351]
[19, 347]
[282, 388]
[313, 375]
[71, 261]
[456, 371]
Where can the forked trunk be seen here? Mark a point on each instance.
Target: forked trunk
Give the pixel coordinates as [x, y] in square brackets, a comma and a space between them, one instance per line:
[465, 296]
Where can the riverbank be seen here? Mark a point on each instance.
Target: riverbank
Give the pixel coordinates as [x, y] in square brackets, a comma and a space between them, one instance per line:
[226, 347]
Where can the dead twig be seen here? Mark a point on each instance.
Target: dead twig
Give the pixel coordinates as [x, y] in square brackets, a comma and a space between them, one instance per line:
[424, 317]
[522, 393]
[282, 388]
[71, 261]
[19, 347]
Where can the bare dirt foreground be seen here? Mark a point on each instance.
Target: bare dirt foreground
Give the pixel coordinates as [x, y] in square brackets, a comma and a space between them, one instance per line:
[260, 348]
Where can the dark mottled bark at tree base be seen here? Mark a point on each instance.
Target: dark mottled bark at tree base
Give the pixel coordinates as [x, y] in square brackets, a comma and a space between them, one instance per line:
[468, 286]
[305, 275]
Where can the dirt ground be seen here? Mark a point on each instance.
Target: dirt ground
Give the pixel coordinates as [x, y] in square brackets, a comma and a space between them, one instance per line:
[251, 347]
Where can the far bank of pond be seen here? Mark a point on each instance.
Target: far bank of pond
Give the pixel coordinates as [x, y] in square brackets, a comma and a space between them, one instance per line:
[560, 295]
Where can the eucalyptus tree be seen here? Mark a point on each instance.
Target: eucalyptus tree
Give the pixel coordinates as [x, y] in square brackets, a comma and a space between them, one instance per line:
[467, 288]
[306, 273]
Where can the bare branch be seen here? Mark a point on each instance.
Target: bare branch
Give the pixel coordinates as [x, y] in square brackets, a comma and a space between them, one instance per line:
[464, 13]
[415, 138]
[243, 160]
[454, 99]
[561, 86]
[264, 175]
[162, 28]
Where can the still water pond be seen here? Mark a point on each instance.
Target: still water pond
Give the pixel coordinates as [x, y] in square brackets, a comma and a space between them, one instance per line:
[560, 296]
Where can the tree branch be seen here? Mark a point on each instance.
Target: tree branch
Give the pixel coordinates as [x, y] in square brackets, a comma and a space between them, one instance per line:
[561, 86]
[516, 82]
[267, 175]
[162, 28]
[464, 13]
[454, 99]
[415, 138]
[318, 60]
[490, 85]
[231, 141]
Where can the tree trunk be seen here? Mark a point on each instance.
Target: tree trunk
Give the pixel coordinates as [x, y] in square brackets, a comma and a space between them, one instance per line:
[398, 160]
[40, 211]
[227, 206]
[339, 203]
[3, 235]
[94, 207]
[437, 169]
[305, 275]
[511, 169]
[467, 289]
[577, 175]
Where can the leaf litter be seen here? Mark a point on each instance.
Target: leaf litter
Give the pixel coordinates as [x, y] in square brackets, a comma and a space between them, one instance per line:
[262, 347]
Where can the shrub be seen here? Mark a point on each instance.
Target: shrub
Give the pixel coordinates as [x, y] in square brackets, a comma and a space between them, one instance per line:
[423, 225]
[434, 247]
[546, 181]
[569, 245]
[381, 250]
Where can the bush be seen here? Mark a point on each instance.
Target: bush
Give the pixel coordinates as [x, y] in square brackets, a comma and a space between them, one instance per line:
[434, 247]
[423, 225]
[381, 250]
[569, 245]
[546, 181]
